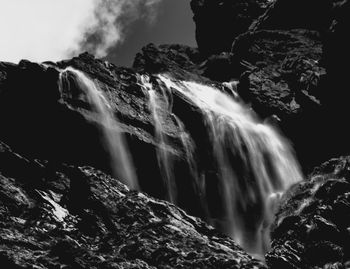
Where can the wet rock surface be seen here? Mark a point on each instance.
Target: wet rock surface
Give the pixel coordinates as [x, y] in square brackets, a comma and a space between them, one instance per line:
[312, 225]
[61, 216]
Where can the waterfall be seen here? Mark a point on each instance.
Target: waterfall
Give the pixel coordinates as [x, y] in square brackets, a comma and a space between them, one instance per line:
[121, 162]
[252, 164]
[164, 157]
[255, 164]
[157, 101]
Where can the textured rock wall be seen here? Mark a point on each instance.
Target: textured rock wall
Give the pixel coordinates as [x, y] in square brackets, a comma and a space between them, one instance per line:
[312, 225]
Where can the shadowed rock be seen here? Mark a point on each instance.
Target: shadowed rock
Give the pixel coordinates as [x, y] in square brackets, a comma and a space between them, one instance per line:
[218, 23]
[296, 14]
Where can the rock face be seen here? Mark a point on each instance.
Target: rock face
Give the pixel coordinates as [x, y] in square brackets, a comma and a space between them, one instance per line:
[218, 23]
[60, 216]
[312, 225]
[181, 61]
[282, 75]
[73, 135]
[284, 70]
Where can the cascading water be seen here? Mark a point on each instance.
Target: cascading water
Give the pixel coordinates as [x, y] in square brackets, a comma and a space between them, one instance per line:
[164, 157]
[254, 163]
[121, 162]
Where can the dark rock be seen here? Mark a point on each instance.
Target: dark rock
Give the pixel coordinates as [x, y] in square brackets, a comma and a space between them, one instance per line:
[218, 23]
[60, 216]
[182, 61]
[285, 78]
[294, 14]
[283, 65]
[312, 225]
[185, 63]
[221, 67]
[336, 60]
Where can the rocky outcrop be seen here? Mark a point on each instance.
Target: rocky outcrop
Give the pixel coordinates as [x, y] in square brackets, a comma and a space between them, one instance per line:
[181, 61]
[283, 70]
[185, 63]
[218, 23]
[60, 216]
[312, 225]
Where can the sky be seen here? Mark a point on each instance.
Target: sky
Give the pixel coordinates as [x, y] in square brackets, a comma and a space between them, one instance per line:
[42, 30]
[174, 24]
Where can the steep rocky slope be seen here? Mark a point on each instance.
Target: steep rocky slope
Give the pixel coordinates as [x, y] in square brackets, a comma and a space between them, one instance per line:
[61, 216]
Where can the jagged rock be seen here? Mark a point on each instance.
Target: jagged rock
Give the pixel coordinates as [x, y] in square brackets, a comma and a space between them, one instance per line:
[184, 63]
[218, 23]
[59, 216]
[283, 66]
[312, 226]
[181, 61]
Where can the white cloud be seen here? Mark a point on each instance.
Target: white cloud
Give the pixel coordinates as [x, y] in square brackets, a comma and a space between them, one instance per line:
[41, 30]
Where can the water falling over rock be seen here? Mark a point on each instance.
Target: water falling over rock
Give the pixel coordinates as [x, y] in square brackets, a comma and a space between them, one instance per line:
[121, 161]
[254, 163]
[164, 157]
